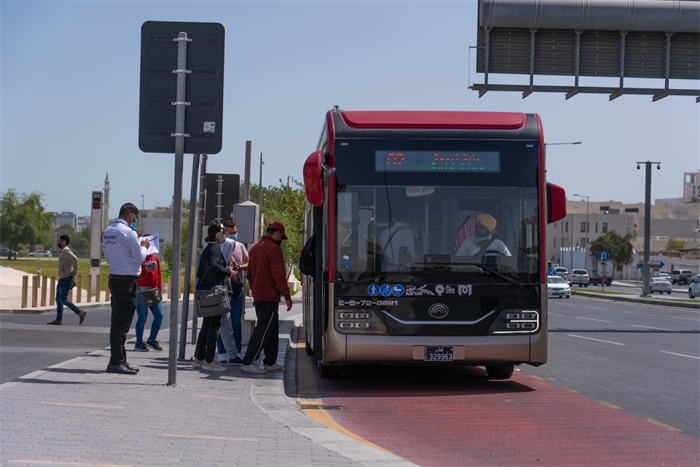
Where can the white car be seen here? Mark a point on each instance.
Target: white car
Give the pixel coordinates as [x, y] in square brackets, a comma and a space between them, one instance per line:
[694, 289]
[660, 285]
[43, 254]
[558, 287]
[561, 272]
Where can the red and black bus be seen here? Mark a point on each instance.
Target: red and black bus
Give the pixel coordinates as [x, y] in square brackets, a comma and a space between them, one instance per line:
[429, 240]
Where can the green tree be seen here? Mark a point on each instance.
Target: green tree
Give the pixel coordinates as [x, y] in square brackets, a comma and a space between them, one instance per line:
[166, 248]
[24, 220]
[80, 242]
[619, 247]
[675, 244]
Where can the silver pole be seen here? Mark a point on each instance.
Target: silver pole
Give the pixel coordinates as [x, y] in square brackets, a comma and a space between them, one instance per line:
[260, 193]
[246, 187]
[177, 199]
[219, 198]
[202, 210]
[188, 257]
[646, 272]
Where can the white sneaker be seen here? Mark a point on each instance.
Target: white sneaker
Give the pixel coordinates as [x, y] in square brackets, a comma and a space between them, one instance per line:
[213, 366]
[222, 357]
[252, 369]
[273, 368]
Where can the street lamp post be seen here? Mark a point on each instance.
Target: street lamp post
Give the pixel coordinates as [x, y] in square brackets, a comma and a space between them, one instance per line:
[647, 225]
[587, 229]
[143, 201]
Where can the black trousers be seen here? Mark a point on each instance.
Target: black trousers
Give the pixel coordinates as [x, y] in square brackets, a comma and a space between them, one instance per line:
[265, 335]
[123, 301]
[206, 340]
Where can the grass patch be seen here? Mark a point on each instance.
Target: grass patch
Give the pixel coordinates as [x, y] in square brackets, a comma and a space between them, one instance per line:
[49, 267]
[605, 292]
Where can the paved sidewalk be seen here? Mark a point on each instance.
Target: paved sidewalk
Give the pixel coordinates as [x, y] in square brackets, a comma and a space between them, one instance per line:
[75, 413]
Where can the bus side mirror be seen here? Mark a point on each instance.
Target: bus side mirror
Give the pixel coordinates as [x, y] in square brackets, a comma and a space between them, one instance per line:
[556, 203]
[313, 178]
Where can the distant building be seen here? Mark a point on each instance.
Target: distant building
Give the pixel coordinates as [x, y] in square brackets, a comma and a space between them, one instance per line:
[83, 222]
[66, 218]
[691, 185]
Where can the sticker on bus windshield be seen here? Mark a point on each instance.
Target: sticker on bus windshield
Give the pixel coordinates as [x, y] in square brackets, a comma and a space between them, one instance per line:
[397, 290]
[385, 290]
[373, 290]
[439, 289]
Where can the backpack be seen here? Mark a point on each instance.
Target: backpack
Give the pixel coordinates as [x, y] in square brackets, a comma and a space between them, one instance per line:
[307, 258]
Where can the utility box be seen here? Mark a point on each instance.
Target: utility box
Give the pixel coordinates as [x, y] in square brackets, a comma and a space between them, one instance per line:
[246, 216]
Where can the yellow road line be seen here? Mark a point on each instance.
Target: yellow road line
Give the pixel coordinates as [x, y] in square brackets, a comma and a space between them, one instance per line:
[215, 397]
[572, 391]
[321, 416]
[663, 425]
[92, 406]
[220, 438]
[608, 404]
[81, 464]
[536, 377]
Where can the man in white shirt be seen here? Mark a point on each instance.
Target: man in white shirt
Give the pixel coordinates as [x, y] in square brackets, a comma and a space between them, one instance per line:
[483, 240]
[125, 255]
[396, 237]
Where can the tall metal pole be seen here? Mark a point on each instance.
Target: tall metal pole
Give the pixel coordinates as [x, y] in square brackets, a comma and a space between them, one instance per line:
[260, 193]
[246, 186]
[177, 199]
[571, 244]
[200, 224]
[646, 273]
[188, 257]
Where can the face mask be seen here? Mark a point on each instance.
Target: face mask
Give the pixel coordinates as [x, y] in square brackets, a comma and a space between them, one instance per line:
[223, 240]
[133, 225]
[233, 236]
[279, 242]
[60, 247]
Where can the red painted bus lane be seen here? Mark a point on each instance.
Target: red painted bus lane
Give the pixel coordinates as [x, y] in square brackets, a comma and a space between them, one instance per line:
[433, 420]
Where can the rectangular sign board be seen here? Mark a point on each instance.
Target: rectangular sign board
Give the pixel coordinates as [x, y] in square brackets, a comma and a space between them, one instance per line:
[205, 87]
[231, 188]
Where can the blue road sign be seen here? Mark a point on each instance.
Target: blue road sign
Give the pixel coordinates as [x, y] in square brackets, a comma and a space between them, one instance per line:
[603, 255]
[551, 272]
[373, 290]
[385, 290]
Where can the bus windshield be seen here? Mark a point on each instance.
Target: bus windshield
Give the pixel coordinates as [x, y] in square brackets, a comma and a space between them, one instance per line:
[426, 229]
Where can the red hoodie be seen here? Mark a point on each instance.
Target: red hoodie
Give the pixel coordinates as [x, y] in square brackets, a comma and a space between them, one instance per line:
[266, 273]
[153, 278]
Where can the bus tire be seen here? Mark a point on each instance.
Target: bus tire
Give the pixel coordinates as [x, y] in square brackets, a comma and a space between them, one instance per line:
[500, 371]
[326, 371]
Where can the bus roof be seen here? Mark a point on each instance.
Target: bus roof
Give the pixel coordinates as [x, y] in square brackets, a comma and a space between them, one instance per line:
[434, 120]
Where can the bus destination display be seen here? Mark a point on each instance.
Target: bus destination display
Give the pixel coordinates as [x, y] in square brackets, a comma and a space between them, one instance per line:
[438, 161]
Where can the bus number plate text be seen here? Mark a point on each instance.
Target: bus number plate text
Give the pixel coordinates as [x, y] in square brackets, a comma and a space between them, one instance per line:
[438, 354]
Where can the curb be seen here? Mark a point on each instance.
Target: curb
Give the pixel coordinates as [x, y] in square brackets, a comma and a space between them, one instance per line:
[646, 301]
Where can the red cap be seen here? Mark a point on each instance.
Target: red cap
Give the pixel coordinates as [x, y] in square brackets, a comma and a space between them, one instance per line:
[280, 227]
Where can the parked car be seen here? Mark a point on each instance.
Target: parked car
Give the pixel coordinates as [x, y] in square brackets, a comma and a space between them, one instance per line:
[677, 273]
[695, 278]
[31, 254]
[43, 254]
[660, 285]
[684, 278]
[561, 272]
[663, 275]
[558, 287]
[694, 288]
[579, 277]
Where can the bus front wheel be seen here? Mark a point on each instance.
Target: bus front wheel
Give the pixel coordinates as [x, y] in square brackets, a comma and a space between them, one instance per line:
[500, 371]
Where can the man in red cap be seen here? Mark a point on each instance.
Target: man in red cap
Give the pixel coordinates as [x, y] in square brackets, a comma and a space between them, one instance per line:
[268, 282]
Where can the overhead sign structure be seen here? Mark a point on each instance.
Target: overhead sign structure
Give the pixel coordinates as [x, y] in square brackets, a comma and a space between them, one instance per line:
[205, 87]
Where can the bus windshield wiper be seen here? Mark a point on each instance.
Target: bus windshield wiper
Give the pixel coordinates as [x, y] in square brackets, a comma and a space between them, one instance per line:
[483, 268]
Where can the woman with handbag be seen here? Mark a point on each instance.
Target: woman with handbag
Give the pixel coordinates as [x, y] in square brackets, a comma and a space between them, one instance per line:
[211, 276]
[150, 294]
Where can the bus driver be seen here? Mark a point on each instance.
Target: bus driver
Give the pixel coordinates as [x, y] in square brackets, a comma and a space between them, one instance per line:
[398, 241]
[483, 239]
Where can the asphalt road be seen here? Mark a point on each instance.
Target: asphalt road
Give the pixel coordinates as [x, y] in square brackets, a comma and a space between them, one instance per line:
[642, 358]
[679, 291]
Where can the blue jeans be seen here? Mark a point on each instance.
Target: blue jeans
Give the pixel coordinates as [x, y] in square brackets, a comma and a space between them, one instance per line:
[142, 316]
[235, 317]
[62, 288]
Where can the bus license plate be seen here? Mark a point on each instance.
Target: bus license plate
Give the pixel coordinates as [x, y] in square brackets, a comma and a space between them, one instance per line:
[438, 354]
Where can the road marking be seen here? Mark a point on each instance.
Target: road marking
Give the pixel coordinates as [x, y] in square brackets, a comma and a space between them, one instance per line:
[649, 327]
[595, 308]
[592, 339]
[663, 425]
[215, 397]
[635, 313]
[92, 406]
[685, 319]
[593, 319]
[608, 404]
[221, 438]
[85, 464]
[680, 354]
[322, 417]
[536, 377]
[573, 391]
[552, 314]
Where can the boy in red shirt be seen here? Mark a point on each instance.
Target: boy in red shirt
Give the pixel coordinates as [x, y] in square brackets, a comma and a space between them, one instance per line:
[268, 282]
[150, 278]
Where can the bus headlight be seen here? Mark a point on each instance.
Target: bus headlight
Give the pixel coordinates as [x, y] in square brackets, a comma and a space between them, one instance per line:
[516, 322]
[361, 321]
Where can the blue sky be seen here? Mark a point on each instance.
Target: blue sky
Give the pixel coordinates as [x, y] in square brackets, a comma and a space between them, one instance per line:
[70, 96]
